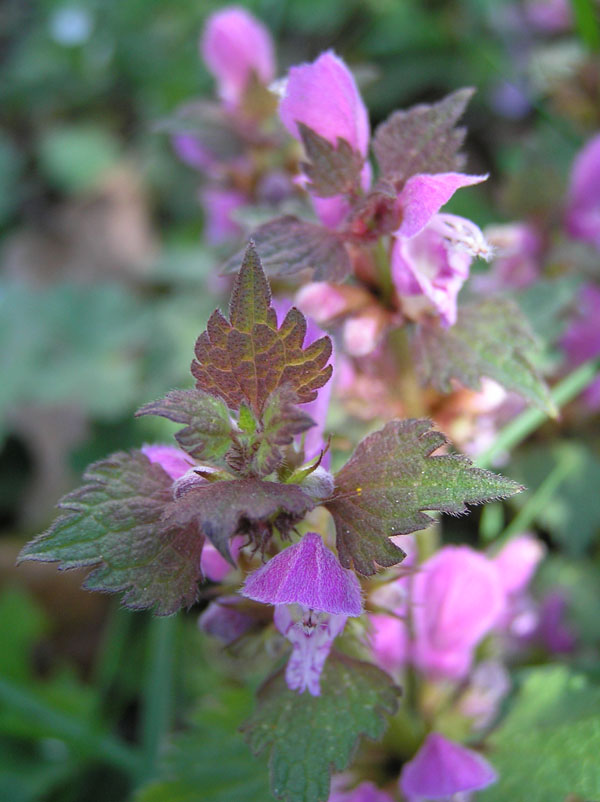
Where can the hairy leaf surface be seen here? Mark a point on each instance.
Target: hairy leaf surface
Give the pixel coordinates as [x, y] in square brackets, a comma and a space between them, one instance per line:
[308, 737]
[288, 246]
[246, 358]
[281, 422]
[422, 139]
[332, 169]
[490, 338]
[208, 427]
[240, 507]
[390, 480]
[115, 522]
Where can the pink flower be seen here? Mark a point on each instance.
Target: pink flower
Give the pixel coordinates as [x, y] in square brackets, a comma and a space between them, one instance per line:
[235, 46]
[552, 628]
[549, 16]
[424, 195]
[309, 574]
[171, 459]
[583, 201]
[219, 204]
[442, 768]
[517, 561]
[430, 268]
[191, 152]
[324, 96]
[515, 257]
[457, 599]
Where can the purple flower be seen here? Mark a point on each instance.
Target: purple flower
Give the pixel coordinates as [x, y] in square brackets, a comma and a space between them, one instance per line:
[236, 46]
[430, 268]
[224, 620]
[583, 201]
[552, 629]
[457, 599]
[309, 574]
[191, 152]
[442, 768]
[581, 341]
[311, 635]
[324, 96]
[219, 204]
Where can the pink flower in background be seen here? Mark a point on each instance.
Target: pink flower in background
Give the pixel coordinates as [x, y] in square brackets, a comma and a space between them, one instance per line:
[457, 599]
[323, 95]
[553, 631]
[219, 204]
[313, 595]
[223, 619]
[489, 683]
[581, 341]
[442, 768]
[191, 152]
[583, 201]
[549, 16]
[517, 562]
[515, 260]
[235, 46]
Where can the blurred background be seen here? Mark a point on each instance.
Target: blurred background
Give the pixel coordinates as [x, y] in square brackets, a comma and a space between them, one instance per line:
[107, 278]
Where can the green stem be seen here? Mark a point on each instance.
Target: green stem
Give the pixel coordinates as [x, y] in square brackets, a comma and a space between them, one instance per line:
[528, 421]
[113, 647]
[540, 499]
[409, 386]
[586, 22]
[384, 273]
[75, 732]
[158, 690]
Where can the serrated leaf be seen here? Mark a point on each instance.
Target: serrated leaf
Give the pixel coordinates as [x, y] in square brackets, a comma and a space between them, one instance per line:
[281, 422]
[288, 246]
[550, 740]
[490, 338]
[390, 480]
[240, 507]
[208, 427]
[422, 139]
[115, 522]
[332, 169]
[247, 358]
[308, 737]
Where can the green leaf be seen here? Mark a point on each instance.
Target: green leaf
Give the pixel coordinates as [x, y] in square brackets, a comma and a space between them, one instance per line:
[288, 246]
[115, 522]
[308, 737]
[422, 139]
[281, 422]
[332, 169]
[550, 740]
[490, 338]
[77, 157]
[387, 483]
[247, 358]
[239, 507]
[208, 427]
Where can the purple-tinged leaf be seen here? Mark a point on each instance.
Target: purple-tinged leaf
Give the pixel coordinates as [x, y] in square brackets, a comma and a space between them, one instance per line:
[332, 169]
[390, 480]
[288, 246]
[247, 358]
[376, 214]
[281, 422]
[422, 139]
[115, 522]
[490, 338]
[209, 127]
[249, 507]
[308, 737]
[208, 431]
